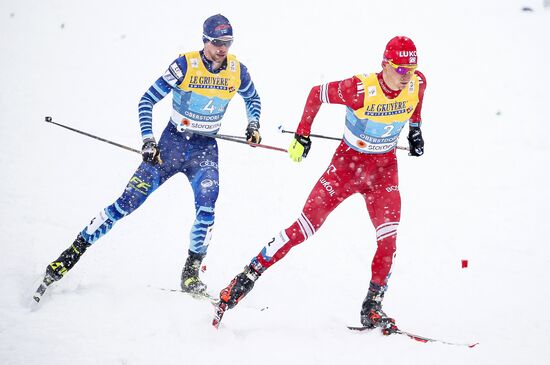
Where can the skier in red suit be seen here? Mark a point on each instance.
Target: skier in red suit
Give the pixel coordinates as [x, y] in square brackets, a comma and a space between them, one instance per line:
[378, 107]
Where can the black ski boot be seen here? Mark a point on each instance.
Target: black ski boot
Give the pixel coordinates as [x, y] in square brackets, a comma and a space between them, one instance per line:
[372, 314]
[68, 258]
[239, 287]
[190, 281]
[58, 268]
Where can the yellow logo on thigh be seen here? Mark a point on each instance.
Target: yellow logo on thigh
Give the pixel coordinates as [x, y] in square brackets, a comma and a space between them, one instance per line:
[139, 185]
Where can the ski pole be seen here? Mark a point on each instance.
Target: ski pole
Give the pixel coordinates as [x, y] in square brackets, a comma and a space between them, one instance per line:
[49, 120]
[237, 139]
[230, 136]
[282, 130]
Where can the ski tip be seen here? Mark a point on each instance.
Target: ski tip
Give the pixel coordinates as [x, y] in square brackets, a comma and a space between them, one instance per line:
[412, 336]
[218, 314]
[34, 303]
[45, 282]
[215, 324]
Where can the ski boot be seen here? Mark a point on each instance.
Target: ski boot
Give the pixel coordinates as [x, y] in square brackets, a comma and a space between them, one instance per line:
[234, 292]
[372, 314]
[68, 258]
[190, 281]
[239, 287]
[58, 268]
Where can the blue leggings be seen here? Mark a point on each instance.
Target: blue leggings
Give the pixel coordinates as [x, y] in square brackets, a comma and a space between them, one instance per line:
[194, 155]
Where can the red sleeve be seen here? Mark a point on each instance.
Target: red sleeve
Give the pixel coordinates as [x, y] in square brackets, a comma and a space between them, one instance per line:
[416, 118]
[347, 92]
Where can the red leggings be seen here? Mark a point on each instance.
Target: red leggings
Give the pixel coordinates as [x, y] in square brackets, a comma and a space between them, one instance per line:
[350, 172]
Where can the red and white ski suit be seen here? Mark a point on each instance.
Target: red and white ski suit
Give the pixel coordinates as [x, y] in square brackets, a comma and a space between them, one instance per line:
[353, 169]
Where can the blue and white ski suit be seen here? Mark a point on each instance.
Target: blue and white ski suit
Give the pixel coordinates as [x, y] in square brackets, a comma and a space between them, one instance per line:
[200, 98]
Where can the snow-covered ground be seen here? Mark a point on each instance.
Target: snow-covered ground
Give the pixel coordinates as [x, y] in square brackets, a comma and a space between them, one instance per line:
[480, 193]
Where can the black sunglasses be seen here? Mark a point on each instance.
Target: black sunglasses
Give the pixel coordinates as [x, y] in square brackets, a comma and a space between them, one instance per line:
[218, 42]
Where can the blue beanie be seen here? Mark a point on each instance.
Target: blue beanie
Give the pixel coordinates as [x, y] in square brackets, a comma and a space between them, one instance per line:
[216, 26]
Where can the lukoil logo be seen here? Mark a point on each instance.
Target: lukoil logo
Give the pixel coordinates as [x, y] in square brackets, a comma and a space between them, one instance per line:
[327, 186]
[407, 53]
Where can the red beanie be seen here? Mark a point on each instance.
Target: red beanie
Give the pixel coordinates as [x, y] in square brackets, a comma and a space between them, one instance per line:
[401, 51]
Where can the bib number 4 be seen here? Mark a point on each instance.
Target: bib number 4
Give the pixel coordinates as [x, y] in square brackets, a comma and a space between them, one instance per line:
[209, 106]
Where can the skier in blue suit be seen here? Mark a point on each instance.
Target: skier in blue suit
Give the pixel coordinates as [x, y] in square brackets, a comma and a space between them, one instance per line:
[202, 84]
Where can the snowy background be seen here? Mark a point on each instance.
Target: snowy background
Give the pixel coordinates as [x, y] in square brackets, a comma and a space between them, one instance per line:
[480, 193]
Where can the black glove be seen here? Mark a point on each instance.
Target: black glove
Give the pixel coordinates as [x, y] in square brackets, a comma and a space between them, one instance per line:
[150, 151]
[253, 132]
[416, 142]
